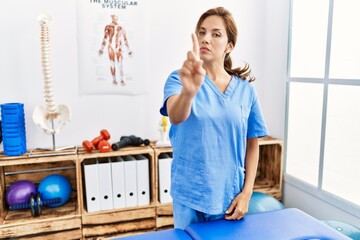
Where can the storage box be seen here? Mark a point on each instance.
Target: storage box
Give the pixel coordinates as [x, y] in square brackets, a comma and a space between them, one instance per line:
[63, 222]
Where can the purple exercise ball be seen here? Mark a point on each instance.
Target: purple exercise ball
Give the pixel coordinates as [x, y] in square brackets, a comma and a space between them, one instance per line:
[20, 192]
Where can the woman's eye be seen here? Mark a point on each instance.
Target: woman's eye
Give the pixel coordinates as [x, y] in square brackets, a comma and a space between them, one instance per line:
[201, 33]
[216, 35]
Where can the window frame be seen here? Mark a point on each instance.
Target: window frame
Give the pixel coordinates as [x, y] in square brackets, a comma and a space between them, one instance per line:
[317, 191]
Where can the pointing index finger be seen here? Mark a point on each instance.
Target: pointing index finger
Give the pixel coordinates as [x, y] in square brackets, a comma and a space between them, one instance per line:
[195, 46]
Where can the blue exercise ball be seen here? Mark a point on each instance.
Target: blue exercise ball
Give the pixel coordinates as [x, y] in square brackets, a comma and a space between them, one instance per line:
[261, 202]
[55, 186]
[345, 228]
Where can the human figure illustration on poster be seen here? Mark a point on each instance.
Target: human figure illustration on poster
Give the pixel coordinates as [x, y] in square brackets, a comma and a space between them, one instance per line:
[112, 47]
[116, 41]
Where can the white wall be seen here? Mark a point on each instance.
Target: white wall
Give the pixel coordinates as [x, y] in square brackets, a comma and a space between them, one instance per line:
[169, 24]
[276, 22]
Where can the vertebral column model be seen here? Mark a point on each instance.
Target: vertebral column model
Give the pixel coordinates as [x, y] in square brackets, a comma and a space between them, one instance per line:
[52, 111]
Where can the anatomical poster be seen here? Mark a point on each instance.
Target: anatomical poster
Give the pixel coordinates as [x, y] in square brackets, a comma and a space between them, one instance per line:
[112, 46]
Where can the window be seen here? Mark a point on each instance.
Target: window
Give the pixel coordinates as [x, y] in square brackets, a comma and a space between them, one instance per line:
[323, 99]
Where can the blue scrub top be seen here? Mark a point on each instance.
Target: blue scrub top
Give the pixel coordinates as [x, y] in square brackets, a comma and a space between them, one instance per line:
[209, 148]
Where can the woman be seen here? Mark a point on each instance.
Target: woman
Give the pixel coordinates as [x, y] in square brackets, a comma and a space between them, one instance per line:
[216, 122]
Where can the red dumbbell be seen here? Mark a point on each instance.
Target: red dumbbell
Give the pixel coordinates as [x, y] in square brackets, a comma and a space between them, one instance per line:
[89, 146]
[104, 146]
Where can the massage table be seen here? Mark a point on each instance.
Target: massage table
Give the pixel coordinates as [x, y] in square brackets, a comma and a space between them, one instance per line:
[284, 224]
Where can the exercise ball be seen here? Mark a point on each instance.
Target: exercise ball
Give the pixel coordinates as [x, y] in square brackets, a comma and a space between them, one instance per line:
[345, 228]
[55, 186]
[20, 192]
[261, 202]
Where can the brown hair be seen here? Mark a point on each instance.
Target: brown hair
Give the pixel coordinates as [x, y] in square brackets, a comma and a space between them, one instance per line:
[231, 31]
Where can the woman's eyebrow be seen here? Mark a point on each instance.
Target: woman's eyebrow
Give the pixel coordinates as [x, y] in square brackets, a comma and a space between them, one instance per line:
[213, 30]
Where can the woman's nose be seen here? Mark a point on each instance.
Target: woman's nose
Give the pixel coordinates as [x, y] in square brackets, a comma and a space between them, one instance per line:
[205, 39]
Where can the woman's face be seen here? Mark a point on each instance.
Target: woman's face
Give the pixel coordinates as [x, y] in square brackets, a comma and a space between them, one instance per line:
[213, 40]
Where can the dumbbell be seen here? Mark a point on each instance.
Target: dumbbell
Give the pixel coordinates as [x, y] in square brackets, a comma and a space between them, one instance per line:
[104, 146]
[95, 143]
[129, 141]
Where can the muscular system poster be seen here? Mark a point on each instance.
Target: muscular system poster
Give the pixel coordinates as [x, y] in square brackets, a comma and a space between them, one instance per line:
[111, 46]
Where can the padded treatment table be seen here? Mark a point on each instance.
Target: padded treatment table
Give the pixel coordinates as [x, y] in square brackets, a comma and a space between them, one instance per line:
[284, 224]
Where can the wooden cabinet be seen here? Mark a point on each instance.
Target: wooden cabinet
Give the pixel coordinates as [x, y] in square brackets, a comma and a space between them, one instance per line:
[73, 221]
[164, 213]
[270, 169]
[54, 223]
[121, 221]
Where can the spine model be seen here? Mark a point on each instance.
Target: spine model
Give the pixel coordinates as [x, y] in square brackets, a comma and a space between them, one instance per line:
[45, 116]
[51, 107]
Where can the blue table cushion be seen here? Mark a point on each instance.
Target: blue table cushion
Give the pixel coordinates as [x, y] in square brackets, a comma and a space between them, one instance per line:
[284, 224]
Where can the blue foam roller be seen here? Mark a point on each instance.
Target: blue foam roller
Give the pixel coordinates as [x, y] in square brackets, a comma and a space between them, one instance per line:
[12, 107]
[13, 129]
[0, 133]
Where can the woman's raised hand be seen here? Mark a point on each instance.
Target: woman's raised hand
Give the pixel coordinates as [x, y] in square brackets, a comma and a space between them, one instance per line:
[192, 73]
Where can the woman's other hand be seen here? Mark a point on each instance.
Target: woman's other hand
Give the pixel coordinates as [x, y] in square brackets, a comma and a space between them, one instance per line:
[239, 207]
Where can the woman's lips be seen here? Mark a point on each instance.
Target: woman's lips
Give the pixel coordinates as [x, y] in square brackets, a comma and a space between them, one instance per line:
[204, 49]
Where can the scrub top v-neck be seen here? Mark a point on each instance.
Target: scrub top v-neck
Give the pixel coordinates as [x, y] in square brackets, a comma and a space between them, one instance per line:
[228, 91]
[209, 147]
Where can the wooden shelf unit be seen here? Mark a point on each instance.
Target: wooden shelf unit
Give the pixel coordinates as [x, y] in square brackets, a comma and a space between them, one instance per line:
[164, 213]
[121, 221]
[58, 223]
[270, 168]
[72, 221]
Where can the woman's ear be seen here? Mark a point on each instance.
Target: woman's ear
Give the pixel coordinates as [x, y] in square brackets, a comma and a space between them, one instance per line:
[229, 48]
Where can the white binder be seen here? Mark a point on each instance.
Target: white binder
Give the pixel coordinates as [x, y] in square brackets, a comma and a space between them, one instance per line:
[164, 178]
[105, 184]
[91, 186]
[130, 181]
[143, 180]
[118, 182]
